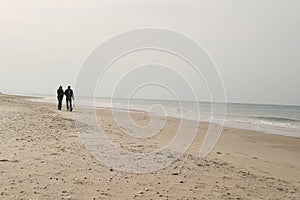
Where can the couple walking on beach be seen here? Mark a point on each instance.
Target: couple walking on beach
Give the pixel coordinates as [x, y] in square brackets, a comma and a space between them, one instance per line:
[69, 97]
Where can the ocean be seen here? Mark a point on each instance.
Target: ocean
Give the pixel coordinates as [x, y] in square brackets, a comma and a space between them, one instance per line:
[270, 119]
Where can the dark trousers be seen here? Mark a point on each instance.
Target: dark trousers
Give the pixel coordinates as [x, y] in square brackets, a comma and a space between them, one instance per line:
[69, 104]
[59, 103]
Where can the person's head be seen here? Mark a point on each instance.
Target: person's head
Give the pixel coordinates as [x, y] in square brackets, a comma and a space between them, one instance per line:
[69, 87]
[60, 87]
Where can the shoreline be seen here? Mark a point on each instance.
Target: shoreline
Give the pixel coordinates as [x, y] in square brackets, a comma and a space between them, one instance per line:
[242, 126]
[41, 157]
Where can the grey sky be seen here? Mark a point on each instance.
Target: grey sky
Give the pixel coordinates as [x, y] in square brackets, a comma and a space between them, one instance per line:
[255, 43]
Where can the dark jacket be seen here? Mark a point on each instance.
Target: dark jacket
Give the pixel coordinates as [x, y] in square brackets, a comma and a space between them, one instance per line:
[60, 93]
[69, 94]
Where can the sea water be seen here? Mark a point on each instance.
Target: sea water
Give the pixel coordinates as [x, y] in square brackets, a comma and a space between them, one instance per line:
[271, 119]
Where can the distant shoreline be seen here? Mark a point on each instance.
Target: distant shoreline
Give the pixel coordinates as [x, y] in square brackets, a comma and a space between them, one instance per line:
[144, 99]
[236, 122]
[52, 99]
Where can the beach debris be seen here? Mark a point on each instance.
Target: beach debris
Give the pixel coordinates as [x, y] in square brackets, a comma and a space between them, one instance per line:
[170, 156]
[181, 181]
[175, 173]
[280, 189]
[219, 152]
[4, 160]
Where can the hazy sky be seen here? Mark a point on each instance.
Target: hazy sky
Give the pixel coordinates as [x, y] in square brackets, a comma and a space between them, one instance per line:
[255, 43]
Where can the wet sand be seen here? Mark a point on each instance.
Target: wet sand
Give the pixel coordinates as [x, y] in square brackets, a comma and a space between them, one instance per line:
[42, 157]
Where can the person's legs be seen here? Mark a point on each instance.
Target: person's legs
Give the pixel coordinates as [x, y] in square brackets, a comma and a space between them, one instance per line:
[71, 108]
[67, 104]
[59, 104]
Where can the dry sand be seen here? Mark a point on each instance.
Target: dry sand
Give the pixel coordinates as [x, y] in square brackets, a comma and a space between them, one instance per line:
[41, 157]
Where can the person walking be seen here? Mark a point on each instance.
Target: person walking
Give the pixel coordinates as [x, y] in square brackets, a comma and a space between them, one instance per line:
[69, 97]
[60, 96]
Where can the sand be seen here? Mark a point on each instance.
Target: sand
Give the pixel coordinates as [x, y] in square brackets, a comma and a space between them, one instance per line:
[42, 157]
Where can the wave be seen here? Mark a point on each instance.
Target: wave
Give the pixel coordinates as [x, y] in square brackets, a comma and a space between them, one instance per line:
[277, 119]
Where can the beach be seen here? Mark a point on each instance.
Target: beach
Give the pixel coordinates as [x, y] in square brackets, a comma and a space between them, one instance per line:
[42, 157]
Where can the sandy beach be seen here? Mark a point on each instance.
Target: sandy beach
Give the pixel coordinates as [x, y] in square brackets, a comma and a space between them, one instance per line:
[42, 157]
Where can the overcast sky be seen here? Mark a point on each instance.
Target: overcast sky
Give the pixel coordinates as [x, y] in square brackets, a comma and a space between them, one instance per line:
[254, 43]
